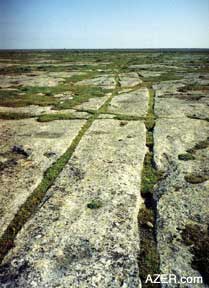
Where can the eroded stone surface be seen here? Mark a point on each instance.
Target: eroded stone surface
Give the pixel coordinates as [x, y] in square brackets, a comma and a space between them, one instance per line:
[178, 202]
[105, 81]
[7, 81]
[93, 103]
[39, 144]
[132, 103]
[31, 109]
[171, 102]
[67, 244]
[35, 110]
[129, 79]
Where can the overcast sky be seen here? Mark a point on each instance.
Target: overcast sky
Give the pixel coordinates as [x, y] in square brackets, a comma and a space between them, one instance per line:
[104, 24]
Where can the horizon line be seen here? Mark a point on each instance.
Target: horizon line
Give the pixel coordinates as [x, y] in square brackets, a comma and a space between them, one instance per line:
[165, 48]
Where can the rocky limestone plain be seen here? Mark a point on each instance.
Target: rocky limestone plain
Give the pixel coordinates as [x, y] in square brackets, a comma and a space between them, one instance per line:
[104, 168]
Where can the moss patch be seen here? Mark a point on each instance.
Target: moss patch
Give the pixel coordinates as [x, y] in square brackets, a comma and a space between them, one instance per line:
[150, 176]
[81, 94]
[186, 157]
[197, 238]
[31, 96]
[14, 116]
[148, 258]
[53, 117]
[94, 204]
[196, 179]
[149, 140]
[199, 146]
[150, 117]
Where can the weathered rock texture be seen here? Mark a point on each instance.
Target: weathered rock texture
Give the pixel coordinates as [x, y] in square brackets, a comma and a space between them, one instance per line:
[105, 81]
[129, 79]
[180, 203]
[28, 148]
[134, 103]
[86, 234]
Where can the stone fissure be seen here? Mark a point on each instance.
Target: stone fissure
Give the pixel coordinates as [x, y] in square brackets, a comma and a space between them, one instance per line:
[148, 257]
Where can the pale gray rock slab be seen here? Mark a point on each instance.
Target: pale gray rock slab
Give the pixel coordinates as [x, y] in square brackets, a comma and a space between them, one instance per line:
[5, 65]
[132, 103]
[154, 66]
[35, 110]
[67, 244]
[106, 116]
[7, 81]
[147, 74]
[105, 81]
[167, 87]
[31, 109]
[64, 74]
[175, 137]
[129, 79]
[178, 202]
[170, 102]
[172, 108]
[44, 143]
[67, 95]
[93, 103]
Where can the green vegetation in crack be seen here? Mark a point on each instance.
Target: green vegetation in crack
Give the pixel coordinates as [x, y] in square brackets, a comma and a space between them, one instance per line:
[31, 204]
[127, 117]
[150, 117]
[148, 258]
[35, 199]
[14, 116]
[150, 176]
[56, 116]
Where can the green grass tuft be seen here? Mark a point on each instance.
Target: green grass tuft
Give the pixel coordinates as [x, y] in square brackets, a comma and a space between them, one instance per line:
[94, 204]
